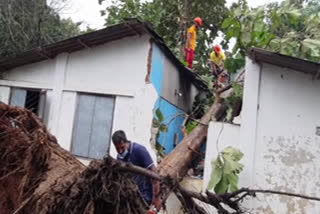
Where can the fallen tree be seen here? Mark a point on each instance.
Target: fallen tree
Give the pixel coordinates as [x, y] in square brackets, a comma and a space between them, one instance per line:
[38, 176]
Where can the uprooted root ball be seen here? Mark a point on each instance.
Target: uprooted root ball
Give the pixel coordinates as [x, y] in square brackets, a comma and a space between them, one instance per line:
[38, 176]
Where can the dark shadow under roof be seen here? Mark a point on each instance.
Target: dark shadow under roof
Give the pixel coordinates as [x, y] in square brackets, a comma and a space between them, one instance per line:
[301, 65]
[130, 27]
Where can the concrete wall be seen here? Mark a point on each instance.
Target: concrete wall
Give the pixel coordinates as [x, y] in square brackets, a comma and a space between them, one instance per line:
[117, 68]
[135, 116]
[37, 75]
[279, 136]
[220, 136]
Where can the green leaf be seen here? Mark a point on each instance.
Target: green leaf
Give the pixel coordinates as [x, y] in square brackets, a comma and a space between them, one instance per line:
[293, 16]
[225, 170]
[312, 46]
[233, 180]
[235, 153]
[227, 22]
[233, 64]
[216, 174]
[229, 165]
[163, 128]
[159, 115]
[190, 126]
[222, 186]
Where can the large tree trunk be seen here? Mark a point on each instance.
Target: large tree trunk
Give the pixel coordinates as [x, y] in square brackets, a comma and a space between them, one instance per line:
[38, 176]
[176, 164]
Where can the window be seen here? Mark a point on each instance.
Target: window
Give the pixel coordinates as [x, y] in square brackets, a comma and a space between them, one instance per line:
[92, 126]
[32, 99]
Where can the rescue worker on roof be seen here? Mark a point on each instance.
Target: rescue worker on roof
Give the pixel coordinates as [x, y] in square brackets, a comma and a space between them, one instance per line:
[191, 41]
[217, 59]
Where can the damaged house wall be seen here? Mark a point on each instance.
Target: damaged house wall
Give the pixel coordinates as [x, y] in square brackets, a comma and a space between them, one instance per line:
[109, 70]
[176, 95]
[279, 136]
[287, 149]
[94, 91]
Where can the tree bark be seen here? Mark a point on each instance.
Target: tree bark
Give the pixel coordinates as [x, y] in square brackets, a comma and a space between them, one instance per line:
[176, 164]
[184, 25]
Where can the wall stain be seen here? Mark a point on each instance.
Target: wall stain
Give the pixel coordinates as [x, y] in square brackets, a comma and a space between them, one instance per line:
[288, 164]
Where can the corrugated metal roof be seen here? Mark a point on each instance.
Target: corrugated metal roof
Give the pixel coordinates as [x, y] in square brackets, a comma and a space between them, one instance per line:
[130, 27]
[294, 63]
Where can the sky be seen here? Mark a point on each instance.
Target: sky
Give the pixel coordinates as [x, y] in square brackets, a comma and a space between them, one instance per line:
[88, 11]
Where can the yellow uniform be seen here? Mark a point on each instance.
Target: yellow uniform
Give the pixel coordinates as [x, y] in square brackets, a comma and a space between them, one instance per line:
[218, 60]
[193, 31]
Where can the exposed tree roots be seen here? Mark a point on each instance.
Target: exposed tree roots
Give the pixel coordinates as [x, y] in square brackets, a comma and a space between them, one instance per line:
[38, 176]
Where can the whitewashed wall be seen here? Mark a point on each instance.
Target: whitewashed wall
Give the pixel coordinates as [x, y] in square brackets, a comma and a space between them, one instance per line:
[220, 136]
[117, 68]
[287, 147]
[37, 75]
[278, 137]
[134, 116]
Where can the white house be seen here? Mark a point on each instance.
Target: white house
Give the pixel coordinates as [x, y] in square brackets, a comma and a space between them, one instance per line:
[86, 87]
[279, 132]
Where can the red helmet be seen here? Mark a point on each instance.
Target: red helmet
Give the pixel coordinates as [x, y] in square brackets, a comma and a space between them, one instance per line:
[217, 48]
[198, 20]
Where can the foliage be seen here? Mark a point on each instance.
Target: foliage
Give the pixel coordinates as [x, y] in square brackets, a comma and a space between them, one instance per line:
[158, 122]
[191, 125]
[170, 19]
[28, 24]
[225, 170]
[201, 104]
[290, 28]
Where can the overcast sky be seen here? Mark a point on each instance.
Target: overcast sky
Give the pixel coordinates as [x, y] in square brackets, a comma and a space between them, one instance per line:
[88, 11]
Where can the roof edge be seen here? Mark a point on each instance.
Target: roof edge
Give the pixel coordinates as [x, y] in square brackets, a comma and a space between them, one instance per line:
[298, 64]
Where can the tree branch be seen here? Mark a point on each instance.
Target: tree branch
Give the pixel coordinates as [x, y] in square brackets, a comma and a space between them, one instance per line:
[216, 200]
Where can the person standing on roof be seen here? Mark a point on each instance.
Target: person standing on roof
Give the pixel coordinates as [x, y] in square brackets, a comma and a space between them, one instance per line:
[217, 59]
[191, 41]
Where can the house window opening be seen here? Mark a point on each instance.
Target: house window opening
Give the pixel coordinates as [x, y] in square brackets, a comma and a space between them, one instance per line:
[31, 99]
